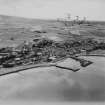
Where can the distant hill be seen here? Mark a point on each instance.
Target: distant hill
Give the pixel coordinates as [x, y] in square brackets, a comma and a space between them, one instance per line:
[14, 30]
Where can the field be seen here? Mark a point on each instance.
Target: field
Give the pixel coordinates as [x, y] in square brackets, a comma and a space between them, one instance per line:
[14, 30]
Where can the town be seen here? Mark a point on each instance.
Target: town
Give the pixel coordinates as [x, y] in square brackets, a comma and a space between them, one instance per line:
[45, 50]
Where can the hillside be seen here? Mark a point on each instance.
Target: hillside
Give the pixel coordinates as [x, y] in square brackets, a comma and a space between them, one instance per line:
[15, 30]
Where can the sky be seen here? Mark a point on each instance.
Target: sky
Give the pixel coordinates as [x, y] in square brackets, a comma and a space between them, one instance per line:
[52, 9]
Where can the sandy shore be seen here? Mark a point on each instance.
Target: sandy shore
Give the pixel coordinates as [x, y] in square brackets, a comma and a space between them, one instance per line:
[64, 63]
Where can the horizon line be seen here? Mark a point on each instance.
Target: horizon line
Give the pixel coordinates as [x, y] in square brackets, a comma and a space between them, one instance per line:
[48, 18]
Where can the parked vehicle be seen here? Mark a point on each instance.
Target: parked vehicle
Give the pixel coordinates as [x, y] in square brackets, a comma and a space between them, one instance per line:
[8, 64]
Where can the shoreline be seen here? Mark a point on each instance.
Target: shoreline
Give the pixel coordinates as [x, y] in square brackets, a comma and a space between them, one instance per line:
[93, 55]
[6, 71]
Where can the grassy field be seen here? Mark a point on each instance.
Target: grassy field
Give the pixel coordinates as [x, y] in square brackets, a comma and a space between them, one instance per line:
[14, 30]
